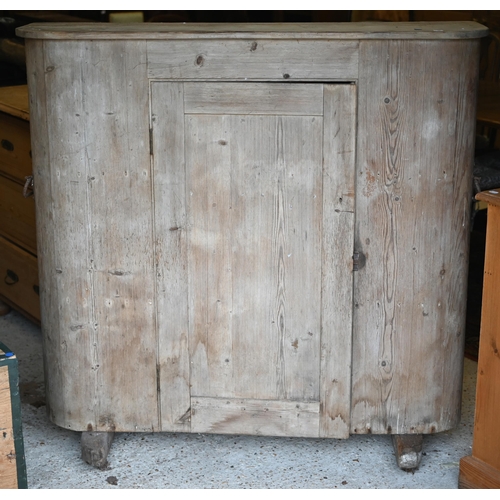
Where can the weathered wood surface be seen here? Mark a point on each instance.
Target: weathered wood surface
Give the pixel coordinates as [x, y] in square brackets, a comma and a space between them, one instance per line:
[255, 203]
[253, 99]
[281, 60]
[482, 469]
[330, 31]
[97, 277]
[251, 231]
[258, 417]
[210, 259]
[414, 159]
[171, 247]
[339, 139]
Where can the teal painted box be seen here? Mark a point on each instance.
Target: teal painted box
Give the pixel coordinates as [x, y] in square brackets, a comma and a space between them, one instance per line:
[12, 460]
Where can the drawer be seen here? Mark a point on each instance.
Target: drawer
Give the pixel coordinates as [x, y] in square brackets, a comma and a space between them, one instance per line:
[17, 215]
[15, 147]
[281, 60]
[19, 278]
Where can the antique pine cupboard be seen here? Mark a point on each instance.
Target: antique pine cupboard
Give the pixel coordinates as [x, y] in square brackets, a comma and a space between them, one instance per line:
[257, 229]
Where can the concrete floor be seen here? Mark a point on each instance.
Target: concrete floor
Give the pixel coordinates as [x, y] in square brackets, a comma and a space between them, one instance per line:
[218, 461]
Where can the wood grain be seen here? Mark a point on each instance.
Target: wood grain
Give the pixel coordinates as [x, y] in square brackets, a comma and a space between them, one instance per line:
[414, 159]
[476, 474]
[254, 204]
[253, 60]
[336, 261]
[253, 99]
[361, 30]
[486, 433]
[171, 230]
[121, 263]
[256, 417]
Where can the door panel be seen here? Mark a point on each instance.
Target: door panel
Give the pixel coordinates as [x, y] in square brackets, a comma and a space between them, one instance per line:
[258, 210]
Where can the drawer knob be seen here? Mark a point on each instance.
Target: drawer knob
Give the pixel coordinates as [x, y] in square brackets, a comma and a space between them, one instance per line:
[11, 278]
[7, 145]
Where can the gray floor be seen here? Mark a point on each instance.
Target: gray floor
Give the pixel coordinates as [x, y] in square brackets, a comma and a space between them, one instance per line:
[210, 461]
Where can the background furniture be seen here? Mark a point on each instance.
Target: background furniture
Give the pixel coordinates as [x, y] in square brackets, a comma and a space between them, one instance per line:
[482, 468]
[18, 262]
[12, 461]
[253, 228]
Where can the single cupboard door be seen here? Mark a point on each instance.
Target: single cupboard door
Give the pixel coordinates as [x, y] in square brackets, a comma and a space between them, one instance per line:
[254, 208]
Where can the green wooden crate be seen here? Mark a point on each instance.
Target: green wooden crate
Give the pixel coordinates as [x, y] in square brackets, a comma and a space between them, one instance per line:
[12, 461]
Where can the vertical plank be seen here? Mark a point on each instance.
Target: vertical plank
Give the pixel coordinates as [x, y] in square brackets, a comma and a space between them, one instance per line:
[60, 171]
[415, 148]
[171, 228]
[337, 275]
[208, 168]
[120, 204]
[486, 432]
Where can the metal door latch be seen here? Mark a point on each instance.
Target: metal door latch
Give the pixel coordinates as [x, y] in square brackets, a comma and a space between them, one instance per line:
[28, 187]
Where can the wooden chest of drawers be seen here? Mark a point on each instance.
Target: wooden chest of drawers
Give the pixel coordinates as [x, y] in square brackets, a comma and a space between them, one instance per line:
[18, 261]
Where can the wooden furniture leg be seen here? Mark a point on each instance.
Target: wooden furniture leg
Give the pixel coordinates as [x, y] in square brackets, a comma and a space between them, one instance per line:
[482, 468]
[408, 450]
[95, 448]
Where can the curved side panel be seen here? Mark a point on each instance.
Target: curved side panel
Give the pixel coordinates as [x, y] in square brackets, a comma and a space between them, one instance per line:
[414, 175]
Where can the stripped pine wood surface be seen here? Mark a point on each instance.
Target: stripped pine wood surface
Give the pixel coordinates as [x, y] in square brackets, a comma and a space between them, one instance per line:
[198, 235]
[171, 247]
[338, 243]
[95, 291]
[329, 31]
[255, 237]
[415, 149]
[253, 60]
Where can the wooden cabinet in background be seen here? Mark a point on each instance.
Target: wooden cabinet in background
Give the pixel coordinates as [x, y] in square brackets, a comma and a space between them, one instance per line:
[257, 229]
[18, 261]
[482, 468]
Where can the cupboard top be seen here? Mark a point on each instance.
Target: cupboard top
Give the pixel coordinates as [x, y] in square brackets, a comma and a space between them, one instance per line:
[159, 31]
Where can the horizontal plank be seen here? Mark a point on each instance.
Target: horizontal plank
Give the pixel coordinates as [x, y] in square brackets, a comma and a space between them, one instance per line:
[253, 98]
[362, 30]
[254, 416]
[253, 60]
